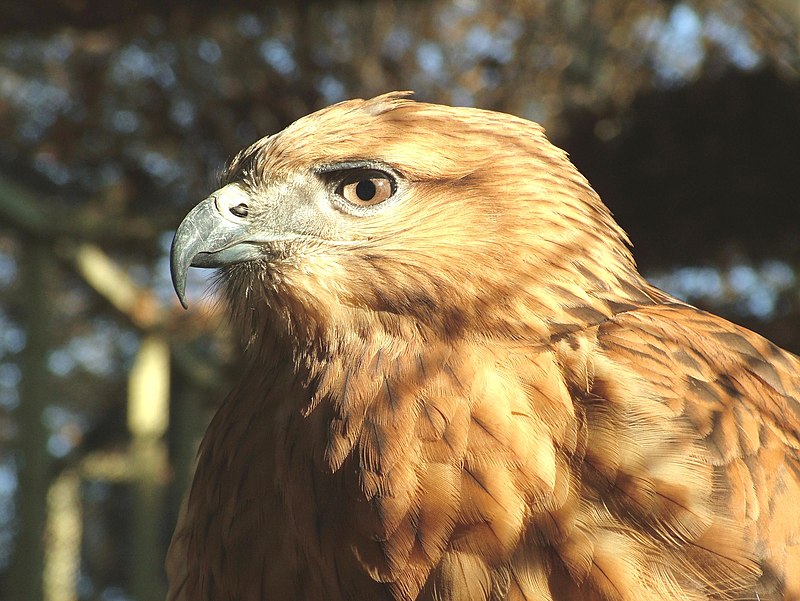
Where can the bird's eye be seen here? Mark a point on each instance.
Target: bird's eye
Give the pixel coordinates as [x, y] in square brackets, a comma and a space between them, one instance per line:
[366, 188]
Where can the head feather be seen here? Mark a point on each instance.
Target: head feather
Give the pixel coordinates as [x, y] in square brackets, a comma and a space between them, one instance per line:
[495, 230]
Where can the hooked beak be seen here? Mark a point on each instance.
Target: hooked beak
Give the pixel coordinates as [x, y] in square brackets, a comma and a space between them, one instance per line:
[215, 233]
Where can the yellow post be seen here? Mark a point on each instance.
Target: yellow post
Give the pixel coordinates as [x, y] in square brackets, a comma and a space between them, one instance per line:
[148, 417]
[63, 538]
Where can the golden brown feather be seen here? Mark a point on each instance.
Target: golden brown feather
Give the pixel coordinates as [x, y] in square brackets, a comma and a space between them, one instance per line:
[468, 392]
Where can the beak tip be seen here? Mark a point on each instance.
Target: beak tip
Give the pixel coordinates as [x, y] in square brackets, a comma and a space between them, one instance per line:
[179, 285]
[178, 271]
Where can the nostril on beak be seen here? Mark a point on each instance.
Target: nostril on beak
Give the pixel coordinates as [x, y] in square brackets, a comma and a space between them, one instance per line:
[232, 202]
[240, 210]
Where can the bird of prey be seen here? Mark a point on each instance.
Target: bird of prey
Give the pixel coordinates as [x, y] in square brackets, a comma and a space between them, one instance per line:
[455, 385]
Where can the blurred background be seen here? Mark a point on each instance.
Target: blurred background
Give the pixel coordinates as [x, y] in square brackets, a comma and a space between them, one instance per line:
[116, 118]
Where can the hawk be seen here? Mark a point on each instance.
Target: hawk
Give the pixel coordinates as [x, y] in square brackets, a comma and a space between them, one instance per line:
[455, 384]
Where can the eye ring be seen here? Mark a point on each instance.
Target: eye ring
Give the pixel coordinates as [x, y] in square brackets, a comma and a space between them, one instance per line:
[366, 187]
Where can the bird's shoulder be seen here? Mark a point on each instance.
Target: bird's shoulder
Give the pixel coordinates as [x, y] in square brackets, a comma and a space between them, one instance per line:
[689, 409]
[705, 366]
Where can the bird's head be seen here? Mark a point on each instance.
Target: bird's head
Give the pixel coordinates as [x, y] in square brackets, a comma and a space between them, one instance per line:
[456, 218]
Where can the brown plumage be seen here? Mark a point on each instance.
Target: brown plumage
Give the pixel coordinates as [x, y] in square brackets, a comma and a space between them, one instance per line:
[457, 386]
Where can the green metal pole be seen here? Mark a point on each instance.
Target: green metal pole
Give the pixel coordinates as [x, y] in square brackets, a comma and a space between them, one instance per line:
[25, 579]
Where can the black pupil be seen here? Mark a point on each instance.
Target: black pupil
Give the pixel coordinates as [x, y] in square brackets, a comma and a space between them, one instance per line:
[365, 189]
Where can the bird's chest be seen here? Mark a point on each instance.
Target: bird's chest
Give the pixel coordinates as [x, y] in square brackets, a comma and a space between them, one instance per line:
[424, 471]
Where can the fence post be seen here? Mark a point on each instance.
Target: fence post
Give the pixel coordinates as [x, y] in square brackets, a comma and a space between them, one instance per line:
[25, 578]
[148, 417]
[64, 530]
